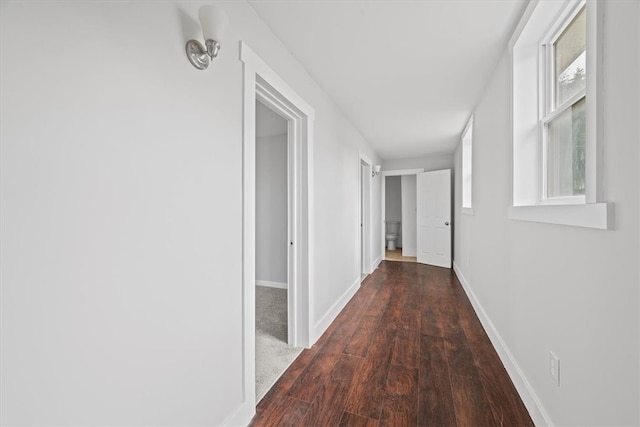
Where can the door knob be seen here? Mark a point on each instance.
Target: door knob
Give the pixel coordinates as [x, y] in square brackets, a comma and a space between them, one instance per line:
[446, 223]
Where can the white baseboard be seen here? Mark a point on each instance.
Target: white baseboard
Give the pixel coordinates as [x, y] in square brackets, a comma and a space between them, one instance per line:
[242, 416]
[376, 263]
[409, 251]
[520, 381]
[271, 284]
[322, 324]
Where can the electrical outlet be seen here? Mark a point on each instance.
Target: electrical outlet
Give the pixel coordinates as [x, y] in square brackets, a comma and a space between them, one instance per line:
[554, 368]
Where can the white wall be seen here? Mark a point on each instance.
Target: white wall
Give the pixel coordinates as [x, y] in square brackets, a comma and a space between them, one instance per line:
[428, 163]
[271, 196]
[409, 212]
[393, 203]
[570, 290]
[117, 155]
[271, 208]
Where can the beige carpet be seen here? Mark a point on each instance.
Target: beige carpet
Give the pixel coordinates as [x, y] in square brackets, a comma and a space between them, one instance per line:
[396, 255]
[273, 354]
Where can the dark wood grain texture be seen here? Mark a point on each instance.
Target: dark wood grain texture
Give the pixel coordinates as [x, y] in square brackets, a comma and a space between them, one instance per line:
[285, 411]
[408, 350]
[435, 404]
[358, 344]
[353, 420]
[369, 384]
[471, 403]
[400, 405]
[328, 405]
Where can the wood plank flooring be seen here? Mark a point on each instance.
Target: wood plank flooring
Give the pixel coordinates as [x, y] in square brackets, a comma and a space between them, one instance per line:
[408, 350]
[396, 255]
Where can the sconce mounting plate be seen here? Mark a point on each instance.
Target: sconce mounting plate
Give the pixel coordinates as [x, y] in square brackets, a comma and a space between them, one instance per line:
[197, 55]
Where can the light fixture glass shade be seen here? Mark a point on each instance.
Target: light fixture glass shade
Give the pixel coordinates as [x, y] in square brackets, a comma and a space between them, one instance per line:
[214, 22]
[377, 168]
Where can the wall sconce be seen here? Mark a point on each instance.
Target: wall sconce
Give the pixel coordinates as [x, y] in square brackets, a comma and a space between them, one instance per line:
[214, 23]
[375, 170]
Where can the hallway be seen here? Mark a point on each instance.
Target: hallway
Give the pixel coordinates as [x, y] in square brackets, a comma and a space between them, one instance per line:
[407, 350]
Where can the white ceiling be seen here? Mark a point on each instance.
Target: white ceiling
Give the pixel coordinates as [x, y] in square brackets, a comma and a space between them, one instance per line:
[406, 73]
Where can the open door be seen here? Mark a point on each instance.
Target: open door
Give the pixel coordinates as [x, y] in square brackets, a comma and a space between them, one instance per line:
[434, 218]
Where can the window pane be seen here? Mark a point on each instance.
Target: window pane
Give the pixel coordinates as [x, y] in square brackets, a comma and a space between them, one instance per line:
[570, 57]
[467, 172]
[565, 152]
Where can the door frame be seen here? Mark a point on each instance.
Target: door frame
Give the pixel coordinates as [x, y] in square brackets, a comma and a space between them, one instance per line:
[261, 82]
[383, 205]
[365, 198]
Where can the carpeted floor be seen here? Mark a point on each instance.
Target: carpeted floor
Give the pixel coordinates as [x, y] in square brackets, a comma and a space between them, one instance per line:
[273, 354]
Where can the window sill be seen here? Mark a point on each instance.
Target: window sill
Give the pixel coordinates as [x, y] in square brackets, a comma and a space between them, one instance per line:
[466, 211]
[591, 215]
[577, 200]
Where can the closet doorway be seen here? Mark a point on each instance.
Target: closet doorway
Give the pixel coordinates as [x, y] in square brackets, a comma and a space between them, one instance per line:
[273, 350]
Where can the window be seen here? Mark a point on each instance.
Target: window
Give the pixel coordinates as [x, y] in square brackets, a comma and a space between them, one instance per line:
[564, 122]
[467, 168]
[556, 122]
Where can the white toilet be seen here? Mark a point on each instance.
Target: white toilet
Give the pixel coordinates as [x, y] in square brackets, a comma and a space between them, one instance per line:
[392, 234]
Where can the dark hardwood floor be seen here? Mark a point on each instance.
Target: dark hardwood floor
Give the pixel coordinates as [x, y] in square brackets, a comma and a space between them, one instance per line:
[407, 350]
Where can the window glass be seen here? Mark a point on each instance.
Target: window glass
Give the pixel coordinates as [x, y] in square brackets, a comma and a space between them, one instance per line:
[566, 152]
[467, 172]
[569, 59]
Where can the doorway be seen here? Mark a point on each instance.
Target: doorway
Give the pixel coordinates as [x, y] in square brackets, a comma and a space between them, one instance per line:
[399, 223]
[365, 215]
[262, 84]
[273, 352]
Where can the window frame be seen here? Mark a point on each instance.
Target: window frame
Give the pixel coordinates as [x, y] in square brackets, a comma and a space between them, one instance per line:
[468, 131]
[541, 21]
[547, 98]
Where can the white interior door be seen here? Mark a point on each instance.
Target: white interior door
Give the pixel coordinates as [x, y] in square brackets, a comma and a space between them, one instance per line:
[434, 218]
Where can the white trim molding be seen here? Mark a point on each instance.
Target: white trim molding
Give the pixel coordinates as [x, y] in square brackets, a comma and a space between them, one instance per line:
[399, 172]
[261, 83]
[331, 314]
[241, 416]
[267, 284]
[376, 263]
[523, 386]
[467, 211]
[365, 241]
[591, 215]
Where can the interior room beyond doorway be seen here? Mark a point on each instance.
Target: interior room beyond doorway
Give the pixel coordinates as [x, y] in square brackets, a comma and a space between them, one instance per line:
[273, 351]
[400, 218]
